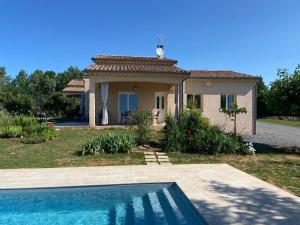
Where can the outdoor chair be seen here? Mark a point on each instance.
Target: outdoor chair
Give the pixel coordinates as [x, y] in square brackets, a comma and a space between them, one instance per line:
[155, 117]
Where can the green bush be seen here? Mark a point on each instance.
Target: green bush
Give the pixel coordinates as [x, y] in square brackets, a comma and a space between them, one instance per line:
[5, 118]
[171, 135]
[141, 123]
[47, 133]
[193, 134]
[11, 131]
[29, 124]
[41, 134]
[109, 143]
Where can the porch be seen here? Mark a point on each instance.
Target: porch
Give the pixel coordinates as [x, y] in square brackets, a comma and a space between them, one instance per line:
[128, 97]
[118, 84]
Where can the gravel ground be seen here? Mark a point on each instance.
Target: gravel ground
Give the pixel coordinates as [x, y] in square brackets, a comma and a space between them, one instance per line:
[277, 135]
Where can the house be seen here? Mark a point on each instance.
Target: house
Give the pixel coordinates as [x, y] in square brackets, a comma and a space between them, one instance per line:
[116, 85]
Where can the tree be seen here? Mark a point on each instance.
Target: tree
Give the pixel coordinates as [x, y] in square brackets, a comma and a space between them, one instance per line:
[4, 79]
[232, 113]
[262, 97]
[21, 82]
[284, 96]
[64, 77]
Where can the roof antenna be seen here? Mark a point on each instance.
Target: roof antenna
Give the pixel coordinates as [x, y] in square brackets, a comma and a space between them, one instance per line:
[160, 47]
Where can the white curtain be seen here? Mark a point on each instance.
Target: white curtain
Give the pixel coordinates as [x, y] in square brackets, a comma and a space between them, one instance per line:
[104, 94]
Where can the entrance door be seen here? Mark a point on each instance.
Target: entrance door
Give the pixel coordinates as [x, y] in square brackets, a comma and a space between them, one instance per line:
[128, 102]
[160, 105]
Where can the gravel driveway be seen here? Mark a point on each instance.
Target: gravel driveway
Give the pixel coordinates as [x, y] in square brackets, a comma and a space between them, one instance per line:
[277, 135]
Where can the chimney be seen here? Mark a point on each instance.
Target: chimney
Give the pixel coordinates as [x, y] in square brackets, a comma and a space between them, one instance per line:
[160, 51]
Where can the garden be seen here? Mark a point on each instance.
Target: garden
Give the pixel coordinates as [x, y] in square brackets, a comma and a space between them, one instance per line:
[191, 139]
[26, 128]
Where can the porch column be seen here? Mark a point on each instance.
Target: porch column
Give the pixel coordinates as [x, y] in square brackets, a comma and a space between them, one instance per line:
[176, 101]
[82, 104]
[181, 96]
[92, 114]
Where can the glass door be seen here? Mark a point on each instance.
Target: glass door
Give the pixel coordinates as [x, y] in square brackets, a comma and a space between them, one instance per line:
[128, 102]
[160, 111]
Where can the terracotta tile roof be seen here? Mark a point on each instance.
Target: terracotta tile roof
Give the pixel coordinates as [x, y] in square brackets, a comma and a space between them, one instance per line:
[219, 74]
[76, 86]
[73, 89]
[109, 63]
[112, 59]
[135, 68]
[75, 82]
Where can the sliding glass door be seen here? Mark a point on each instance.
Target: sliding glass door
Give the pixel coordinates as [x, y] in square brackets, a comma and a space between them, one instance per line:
[128, 102]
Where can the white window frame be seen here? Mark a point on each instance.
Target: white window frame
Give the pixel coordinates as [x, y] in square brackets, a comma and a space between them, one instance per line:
[201, 100]
[226, 100]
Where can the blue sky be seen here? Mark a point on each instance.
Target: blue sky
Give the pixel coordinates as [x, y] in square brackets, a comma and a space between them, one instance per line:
[250, 36]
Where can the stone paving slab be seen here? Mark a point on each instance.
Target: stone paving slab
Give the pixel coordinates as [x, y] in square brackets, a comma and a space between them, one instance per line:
[160, 153]
[151, 160]
[163, 160]
[221, 193]
[150, 157]
[162, 157]
[149, 153]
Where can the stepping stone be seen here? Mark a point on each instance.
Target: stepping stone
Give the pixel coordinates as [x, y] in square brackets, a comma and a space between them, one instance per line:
[150, 160]
[160, 153]
[162, 157]
[150, 157]
[163, 160]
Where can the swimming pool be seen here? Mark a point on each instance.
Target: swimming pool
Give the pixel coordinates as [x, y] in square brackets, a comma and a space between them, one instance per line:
[159, 203]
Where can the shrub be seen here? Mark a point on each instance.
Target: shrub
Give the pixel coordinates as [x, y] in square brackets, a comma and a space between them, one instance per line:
[109, 143]
[171, 135]
[47, 133]
[29, 124]
[11, 132]
[141, 123]
[5, 118]
[193, 134]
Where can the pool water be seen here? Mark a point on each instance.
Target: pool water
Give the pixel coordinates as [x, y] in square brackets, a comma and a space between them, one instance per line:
[145, 204]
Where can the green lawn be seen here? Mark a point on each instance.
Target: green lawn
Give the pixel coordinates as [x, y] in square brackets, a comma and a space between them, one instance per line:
[280, 122]
[60, 152]
[282, 170]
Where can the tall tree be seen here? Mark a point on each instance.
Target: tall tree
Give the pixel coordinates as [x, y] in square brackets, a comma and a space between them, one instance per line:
[21, 82]
[69, 74]
[4, 79]
[262, 97]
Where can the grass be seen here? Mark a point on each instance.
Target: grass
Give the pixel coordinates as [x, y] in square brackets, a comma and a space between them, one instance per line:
[280, 122]
[271, 165]
[280, 169]
[60, 152]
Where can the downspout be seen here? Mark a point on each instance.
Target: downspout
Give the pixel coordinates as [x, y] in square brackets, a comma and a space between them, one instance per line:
[181, 93]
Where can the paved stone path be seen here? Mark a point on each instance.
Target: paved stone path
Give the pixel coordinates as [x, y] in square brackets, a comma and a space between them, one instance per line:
[156, 158]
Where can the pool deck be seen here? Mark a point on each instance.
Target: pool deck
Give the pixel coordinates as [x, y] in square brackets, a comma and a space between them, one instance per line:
[221, 193]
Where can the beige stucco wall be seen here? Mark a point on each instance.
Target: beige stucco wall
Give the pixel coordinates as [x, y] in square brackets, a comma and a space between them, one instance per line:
[145, 93]
[212, 89]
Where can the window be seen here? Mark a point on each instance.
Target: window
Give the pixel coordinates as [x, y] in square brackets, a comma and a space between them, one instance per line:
[195, 100]
[227, 101]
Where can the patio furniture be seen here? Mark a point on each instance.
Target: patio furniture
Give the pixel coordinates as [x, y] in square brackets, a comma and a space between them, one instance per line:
[126, 116]
[155, 117]
[41, 117]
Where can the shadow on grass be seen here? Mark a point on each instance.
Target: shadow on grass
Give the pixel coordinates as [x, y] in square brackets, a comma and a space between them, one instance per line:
[271, 149]
[249, 206]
